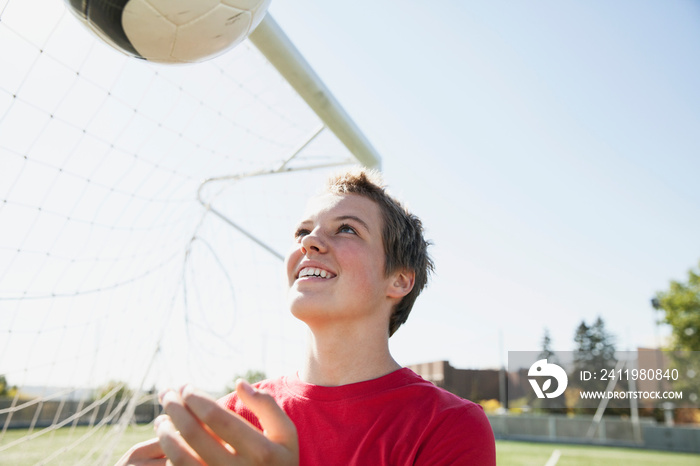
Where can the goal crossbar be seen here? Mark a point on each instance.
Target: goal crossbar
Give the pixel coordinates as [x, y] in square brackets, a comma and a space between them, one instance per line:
[273, 43]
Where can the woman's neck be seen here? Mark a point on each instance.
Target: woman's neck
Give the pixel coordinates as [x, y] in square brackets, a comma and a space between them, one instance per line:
[341, 356]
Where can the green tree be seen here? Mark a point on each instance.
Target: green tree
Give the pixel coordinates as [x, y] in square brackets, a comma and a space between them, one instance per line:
[681, 306]
[6, 391]
[547, 352]
[122, 390]
[595, 352]
[595, 347]
[251, 376]
[557, 405]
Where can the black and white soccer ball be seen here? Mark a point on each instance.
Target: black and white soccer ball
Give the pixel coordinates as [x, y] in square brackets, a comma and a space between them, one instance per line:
[171, 31]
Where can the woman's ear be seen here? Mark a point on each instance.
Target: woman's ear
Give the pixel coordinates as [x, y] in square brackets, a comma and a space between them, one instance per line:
[401, 283]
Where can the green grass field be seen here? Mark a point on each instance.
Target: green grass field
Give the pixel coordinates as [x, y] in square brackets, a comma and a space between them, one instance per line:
[508, 453]
[87, 452]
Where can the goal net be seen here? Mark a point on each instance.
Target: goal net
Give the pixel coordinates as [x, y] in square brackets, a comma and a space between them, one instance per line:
[144, 211]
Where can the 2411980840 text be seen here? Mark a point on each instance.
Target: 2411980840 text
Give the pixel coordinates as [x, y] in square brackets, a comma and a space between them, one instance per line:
[629, 374]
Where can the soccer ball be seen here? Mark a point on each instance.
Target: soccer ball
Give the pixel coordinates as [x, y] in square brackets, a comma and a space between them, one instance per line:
[171, 31]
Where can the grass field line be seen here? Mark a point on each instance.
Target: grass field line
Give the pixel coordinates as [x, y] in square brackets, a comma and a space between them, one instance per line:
[552, 461]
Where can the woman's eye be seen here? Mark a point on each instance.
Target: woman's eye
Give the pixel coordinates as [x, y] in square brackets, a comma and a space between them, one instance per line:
[301, 232]
[347, 229]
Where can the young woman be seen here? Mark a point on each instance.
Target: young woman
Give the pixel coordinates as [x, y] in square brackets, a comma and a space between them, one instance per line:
[358, 263]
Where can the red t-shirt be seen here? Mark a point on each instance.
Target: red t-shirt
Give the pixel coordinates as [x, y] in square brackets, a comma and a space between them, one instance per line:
[398, 419]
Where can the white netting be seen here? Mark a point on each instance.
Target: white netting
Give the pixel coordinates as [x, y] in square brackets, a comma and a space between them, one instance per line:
[111, 266]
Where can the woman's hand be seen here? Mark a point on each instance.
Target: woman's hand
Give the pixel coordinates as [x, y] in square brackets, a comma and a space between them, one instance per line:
[196, 430]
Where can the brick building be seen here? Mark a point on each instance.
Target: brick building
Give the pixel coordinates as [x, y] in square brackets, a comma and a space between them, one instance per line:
[472, 384]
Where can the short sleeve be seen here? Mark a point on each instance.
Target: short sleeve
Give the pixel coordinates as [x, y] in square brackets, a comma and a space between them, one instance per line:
[462, 436]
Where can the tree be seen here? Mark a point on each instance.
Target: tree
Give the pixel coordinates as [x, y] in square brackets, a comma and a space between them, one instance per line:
[594, 353]
[556, 405]
[681, 306]
[122, 390]
[5, 389]
[547, 352]
[595, 347]
[250, 376]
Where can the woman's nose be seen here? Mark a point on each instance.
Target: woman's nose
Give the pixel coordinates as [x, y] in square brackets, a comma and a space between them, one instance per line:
[313, 242]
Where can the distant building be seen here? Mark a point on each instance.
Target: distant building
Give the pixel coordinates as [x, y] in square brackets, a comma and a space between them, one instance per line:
[472, 384]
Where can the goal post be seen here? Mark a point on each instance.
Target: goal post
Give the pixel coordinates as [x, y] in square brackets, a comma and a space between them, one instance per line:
[271, 40]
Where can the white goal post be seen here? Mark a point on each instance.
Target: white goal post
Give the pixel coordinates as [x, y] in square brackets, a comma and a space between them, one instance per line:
[269, 38]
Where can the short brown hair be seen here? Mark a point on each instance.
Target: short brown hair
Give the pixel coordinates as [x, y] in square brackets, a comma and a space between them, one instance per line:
[402, 234]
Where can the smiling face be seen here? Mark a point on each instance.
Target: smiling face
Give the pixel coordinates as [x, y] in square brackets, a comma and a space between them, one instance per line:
[336, 268]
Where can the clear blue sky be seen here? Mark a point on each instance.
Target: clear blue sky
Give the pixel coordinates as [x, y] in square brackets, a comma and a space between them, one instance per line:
[552, 149]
